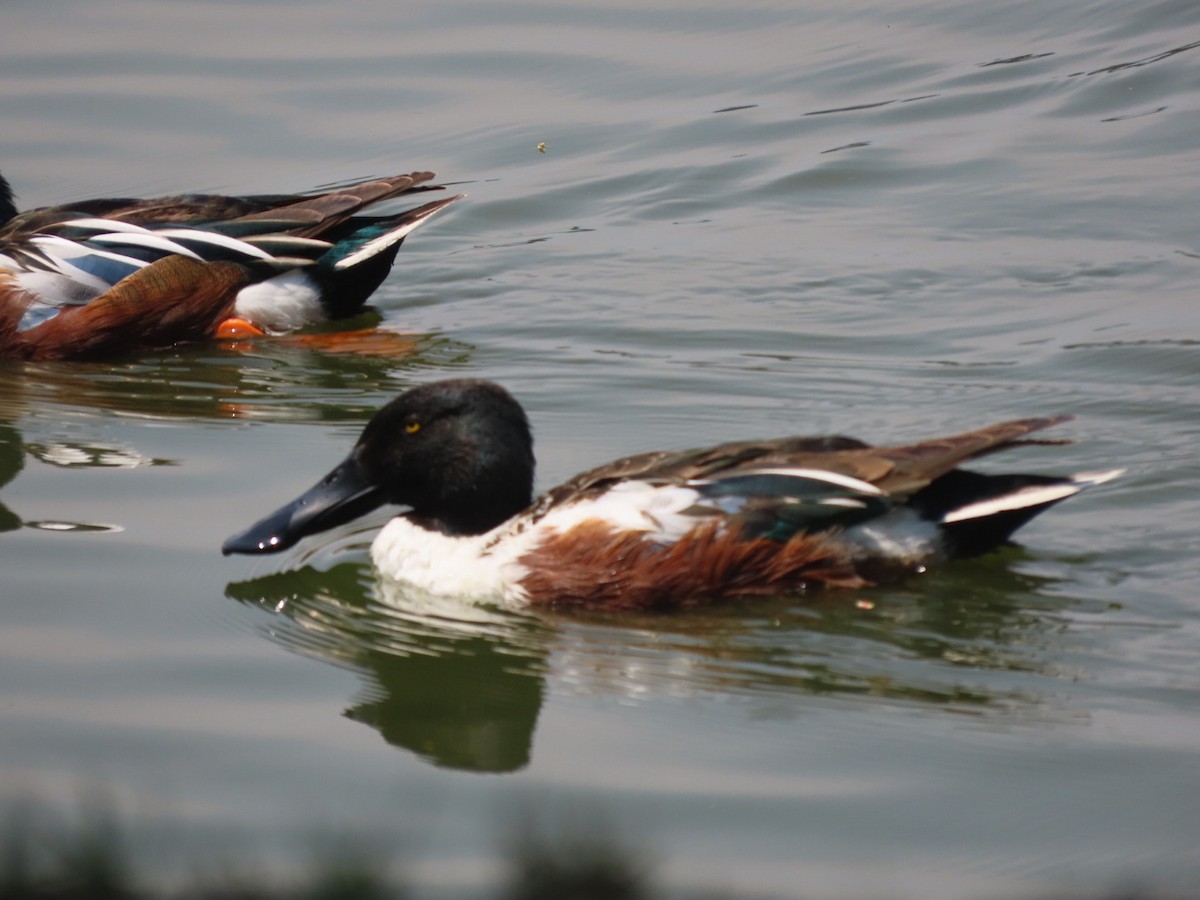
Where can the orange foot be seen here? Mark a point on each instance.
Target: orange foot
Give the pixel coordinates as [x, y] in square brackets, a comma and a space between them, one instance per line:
[238, 329]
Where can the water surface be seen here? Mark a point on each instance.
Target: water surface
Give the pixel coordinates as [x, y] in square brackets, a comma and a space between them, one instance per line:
[886, 220]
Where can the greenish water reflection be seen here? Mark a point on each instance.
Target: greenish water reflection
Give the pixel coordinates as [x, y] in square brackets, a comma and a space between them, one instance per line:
[950, 640]
[12, 460]
[462, 685]
[464, 693]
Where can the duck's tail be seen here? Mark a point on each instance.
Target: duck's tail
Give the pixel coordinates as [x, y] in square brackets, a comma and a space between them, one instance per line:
[351, 270]
[978, 512]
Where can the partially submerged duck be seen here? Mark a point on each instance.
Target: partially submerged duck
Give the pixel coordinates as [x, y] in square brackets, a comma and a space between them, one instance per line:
[656, 530]
[101, 277]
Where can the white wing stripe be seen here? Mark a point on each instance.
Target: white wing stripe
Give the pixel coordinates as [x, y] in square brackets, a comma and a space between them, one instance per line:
[1034, 495]
[1022, 499]
[105, 225]
[217, 240]
[58, 249]
[381, 243]
[844, 481]
[149, 239]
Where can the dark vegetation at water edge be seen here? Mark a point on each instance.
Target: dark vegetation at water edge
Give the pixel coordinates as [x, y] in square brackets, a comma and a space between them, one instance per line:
[89, 858]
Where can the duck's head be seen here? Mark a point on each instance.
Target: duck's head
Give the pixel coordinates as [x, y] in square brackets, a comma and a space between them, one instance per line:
[459, 453]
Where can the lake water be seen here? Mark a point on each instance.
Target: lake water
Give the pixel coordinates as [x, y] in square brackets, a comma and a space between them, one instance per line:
[891, 220]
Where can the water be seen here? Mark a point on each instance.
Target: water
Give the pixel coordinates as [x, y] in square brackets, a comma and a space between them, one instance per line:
[888, 220]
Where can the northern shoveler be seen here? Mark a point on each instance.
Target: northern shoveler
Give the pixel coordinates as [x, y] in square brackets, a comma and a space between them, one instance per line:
[101, 277]
[660, 529]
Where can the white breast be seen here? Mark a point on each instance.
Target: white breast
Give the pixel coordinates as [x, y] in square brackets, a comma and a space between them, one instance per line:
[488, 566]
[437, 563]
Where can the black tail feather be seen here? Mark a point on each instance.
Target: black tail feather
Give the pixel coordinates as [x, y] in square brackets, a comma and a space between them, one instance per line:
[979, 534]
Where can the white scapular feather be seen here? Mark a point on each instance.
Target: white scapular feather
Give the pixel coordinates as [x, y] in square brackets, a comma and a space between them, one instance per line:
[843, 481]
[217, 240]
[152, 240]
[58, 248]
[104, 225]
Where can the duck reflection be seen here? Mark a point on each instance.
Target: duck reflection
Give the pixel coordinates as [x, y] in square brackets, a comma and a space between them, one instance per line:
[12, 460]
[299, 378]
[460, 687]
[261, 381]
[66, 454]
[951, 642]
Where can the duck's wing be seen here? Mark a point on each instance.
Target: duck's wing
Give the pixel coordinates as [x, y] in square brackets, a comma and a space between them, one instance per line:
[334, 215]
[903, 469]
[303, 215]
[680, 466]
[819, 469]
[782, 493]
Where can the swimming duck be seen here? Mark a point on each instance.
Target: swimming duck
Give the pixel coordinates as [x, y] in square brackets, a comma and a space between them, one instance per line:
[662, 529]
[101, 277]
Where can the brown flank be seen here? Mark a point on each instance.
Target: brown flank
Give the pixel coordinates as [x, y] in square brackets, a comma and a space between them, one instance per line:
[173, 300]
[594, 566]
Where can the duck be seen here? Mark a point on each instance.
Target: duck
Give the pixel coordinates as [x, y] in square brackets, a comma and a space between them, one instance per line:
[99, 278]
[659, 530]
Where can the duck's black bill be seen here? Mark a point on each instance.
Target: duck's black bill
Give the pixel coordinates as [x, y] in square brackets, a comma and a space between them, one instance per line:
[341, 496]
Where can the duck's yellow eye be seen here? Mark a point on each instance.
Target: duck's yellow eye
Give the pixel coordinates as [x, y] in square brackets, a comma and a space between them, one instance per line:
[412, 427]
